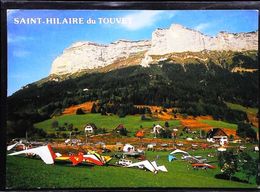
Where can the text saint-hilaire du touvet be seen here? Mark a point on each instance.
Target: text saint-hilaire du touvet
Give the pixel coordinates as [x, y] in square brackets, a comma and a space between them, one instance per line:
[71, 20]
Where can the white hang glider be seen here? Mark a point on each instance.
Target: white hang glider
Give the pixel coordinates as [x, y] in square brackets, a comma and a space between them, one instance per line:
[179, 151]
[9, 147]
[151, 166]
[48, 156]
[45, 153]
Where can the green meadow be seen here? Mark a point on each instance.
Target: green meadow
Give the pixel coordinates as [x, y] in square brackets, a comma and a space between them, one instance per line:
[219, 124]
[25, 173]
[131, 122]
[242, 108]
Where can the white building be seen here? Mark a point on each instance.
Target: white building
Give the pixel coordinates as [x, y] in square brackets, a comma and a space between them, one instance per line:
[128, 148]
[89, 128]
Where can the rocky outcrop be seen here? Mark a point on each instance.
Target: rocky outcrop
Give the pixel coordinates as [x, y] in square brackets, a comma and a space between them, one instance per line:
[88, 55]
[180, 39]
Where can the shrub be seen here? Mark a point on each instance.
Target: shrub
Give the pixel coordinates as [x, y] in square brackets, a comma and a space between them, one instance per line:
[80, 111]
[54, 124]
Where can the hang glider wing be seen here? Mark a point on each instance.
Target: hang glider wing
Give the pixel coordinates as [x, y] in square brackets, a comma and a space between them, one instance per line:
[11, 146]
[93, 159]
[147, 164]
[45, 153]
[203, 165]
[159, 168]
[76, 159]
[179, 151]
[58, 154]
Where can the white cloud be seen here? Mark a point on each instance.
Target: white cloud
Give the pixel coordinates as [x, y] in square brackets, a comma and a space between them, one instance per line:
[17, 38]
[202, 26]
[21, 53]
[142, 19]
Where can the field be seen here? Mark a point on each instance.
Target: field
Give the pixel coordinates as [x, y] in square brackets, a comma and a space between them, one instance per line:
[242, 108]
[131, 123]
[219, 124]
[33, 173]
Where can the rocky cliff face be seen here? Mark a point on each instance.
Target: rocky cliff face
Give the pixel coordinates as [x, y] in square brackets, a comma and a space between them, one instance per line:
[88, 55]
[180, 39]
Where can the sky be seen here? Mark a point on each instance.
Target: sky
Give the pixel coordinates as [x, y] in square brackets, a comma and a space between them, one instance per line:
[32, 47]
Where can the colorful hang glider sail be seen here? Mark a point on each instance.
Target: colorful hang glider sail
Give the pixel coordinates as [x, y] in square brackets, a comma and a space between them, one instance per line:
[48, 156]
[203, 166]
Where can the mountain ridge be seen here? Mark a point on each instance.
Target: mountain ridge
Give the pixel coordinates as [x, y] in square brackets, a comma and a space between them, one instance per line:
[82, 56]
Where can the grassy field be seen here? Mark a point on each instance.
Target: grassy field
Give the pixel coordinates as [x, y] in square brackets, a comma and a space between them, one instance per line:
[33, 173]
[219, 124]
[242, 108]
[130, 122]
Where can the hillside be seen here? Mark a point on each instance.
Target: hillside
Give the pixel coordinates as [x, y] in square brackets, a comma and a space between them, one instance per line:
[89, 56]
[190, 85]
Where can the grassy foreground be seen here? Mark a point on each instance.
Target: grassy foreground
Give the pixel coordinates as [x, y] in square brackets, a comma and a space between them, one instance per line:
[131, 122]
[24, 173]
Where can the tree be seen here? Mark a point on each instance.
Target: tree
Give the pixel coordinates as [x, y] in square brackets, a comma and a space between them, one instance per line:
[244, 130]
[143, 118]
[93, 108]
[121, 112]
[166, 124]
[228, 162]
[123, 131]
[54, 124]
[248, 165]
[167, 133]
[203, 134]
[70, 127]
[80, 111]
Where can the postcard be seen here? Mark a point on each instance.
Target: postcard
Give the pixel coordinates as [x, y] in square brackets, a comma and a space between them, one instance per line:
[100, 99]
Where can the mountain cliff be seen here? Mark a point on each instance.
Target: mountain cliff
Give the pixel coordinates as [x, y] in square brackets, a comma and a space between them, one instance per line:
[82, 56]
[89, 55]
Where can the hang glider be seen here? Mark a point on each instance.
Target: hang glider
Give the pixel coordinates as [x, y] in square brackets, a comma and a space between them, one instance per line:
[151, 166]
[44, 152]
[203, 166]
[10, 147]
[48, 156]
[194, 159]
[179, 151]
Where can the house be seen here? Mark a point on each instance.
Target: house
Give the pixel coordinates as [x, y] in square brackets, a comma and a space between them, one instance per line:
[119, 127]
[140, 134]
[157, 129]
[90, 128]
[121, 130]
[217, 135]
[128, 148]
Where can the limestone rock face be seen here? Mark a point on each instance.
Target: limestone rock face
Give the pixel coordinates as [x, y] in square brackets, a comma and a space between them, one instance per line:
[180, 39]
[88, 55]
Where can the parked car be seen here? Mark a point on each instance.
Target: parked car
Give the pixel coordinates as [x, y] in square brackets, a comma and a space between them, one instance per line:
[124, 162]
